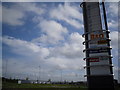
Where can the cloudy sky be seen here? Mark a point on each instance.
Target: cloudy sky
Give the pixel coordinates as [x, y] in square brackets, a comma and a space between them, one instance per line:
[44, 40]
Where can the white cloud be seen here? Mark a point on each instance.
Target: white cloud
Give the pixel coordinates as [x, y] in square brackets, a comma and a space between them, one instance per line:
[72, 48]
[54, 32]
[68, 13]
[113, 9]
[114, 39]
[25, 48]
[15, 14]
[29, 57]
[66, 63]
[113, 24]
[32, 7]
[76, 38]
[37, 19]
[12, 16]
[70, 54]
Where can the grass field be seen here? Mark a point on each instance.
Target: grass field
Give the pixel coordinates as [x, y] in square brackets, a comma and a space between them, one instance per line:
[15, 86]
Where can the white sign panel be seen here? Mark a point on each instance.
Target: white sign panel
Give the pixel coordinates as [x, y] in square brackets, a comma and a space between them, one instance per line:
[100, 70]
[93, 14]
[98, 54]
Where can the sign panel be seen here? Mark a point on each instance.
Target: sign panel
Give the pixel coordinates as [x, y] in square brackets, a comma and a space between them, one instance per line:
[97, 39]
[101, 62]
[98, 47]
[99, 54]
[96, 51]
[97, 35]
[100, 70]
[93, 16]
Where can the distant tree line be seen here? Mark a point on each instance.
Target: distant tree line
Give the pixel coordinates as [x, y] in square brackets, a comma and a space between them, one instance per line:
[9, 80]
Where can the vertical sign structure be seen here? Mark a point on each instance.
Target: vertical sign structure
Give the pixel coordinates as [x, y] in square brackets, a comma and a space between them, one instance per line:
[97, 48]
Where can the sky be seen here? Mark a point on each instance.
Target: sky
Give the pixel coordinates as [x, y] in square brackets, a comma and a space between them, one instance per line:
[43, 40]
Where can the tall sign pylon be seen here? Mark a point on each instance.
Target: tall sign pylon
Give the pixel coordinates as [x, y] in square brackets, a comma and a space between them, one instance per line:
[97, 47]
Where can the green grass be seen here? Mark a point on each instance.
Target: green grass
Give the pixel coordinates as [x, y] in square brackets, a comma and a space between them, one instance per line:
[15, 85]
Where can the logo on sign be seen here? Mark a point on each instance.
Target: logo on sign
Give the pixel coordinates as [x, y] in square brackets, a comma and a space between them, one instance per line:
[102, 42]
[93, 59]
[96, 36]
[92, 42]
[104, 58]
[98, 51]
